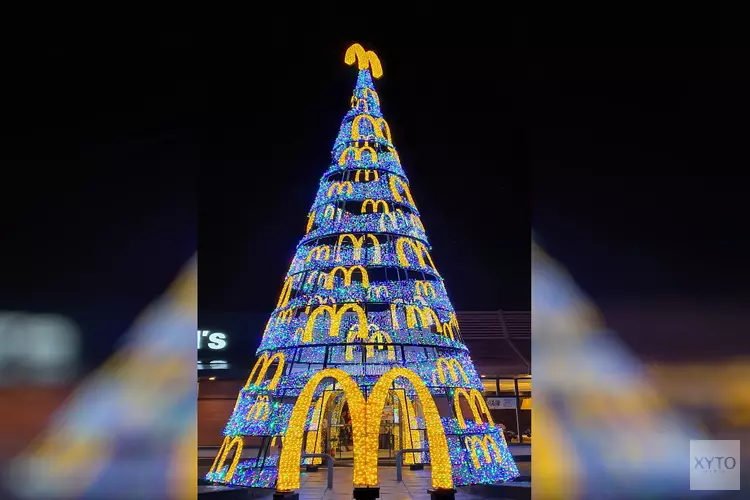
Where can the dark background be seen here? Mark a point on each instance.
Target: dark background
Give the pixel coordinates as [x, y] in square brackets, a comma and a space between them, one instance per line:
[629, 125]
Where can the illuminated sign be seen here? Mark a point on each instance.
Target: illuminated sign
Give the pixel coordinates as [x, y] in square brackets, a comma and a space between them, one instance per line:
[216, 341]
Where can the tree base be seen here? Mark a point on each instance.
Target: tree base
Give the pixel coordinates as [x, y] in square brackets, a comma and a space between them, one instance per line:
[285, 495]
[442, 494]
[366, 493]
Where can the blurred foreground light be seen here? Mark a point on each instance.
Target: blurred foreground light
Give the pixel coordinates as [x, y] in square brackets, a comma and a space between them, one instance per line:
[601, 429]
[38, 349]
[129, 431]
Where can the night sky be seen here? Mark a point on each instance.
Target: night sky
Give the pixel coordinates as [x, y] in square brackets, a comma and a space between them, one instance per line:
[117, 141]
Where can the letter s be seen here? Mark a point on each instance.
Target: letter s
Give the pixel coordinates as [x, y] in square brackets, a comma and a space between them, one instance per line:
[217, 341]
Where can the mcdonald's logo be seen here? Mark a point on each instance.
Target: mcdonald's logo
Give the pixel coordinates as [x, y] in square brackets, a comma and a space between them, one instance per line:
[358, 243]
[375, 204]
[378, 337]
[318, 276]
[399, 187]
[339, 187]
[419, 250]
[379, 292]
[474, 443]
[357, 156]
[416, 222]
[284, 316]
[450, 328]
[360, 104]
[347, 274]
[421, 317]
[375, 175]
[453, 367]
[261, 368]
[379, 127]
[476, 403]
[368, 92]
[364, 59]
[424, 288]
[321, 252]
[260, 410]
[336, 314]
[394, 153]
[221, 457]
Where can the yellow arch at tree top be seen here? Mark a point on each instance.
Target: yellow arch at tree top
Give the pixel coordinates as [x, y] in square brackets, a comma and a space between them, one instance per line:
[365, 436]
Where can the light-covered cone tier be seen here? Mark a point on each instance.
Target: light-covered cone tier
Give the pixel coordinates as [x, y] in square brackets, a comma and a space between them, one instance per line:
[363, 319]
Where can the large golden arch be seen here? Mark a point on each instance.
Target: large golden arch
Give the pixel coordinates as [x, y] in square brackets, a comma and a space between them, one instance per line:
[442, 473]
[291, 452]
[223, 453]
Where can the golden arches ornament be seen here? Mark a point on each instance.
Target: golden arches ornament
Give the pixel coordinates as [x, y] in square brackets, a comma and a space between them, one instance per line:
[366, 148]
[379, 337]
[358, 243]
[340, 187]
[452, 367]
[395, 182]
[347, 274]
[476, 404]
[365, 59]
[260, 410]
[485, 443]
[261, 368]
[419, 249]
[365, 430]
[336, 313]
[368, 172]
[375, 205]
[379, 126]
[221, 457]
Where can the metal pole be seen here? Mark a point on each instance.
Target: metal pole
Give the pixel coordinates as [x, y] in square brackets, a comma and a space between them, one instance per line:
[399, 455]
[329, 462]
[518, 404]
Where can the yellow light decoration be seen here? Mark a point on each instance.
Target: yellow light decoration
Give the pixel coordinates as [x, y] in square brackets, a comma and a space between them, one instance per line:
[374, 173]
[286, 292]
[357, 102]
[419, 250]
[329, 212]
[379, 291]
[291, 453]
[354, 334]
[409, 426]
[357, 156]
[317, 252]
[395, 183]
[261, 367]
[221, 457]
[318, 276]
[421, 317]
[424, 288]
[284, 317]
[383, 340]
[314, 435]
[310, 222]
[347, 274]
[364, 59]
[453, 367]
[394, 153]
[260, 410]
[474, 442]
[377, 126]
[340, 187]
[336, 313]
[375, 204]
[358, 243]
[394, 311]
[388, 217]
[476, 403]
[383, 125]
[440, 458]
[368, 92]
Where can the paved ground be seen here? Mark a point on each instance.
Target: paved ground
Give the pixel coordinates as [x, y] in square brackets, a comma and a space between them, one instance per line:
[414, 486]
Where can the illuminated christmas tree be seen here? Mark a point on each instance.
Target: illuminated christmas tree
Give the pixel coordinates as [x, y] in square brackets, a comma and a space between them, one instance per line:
[363, 325]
